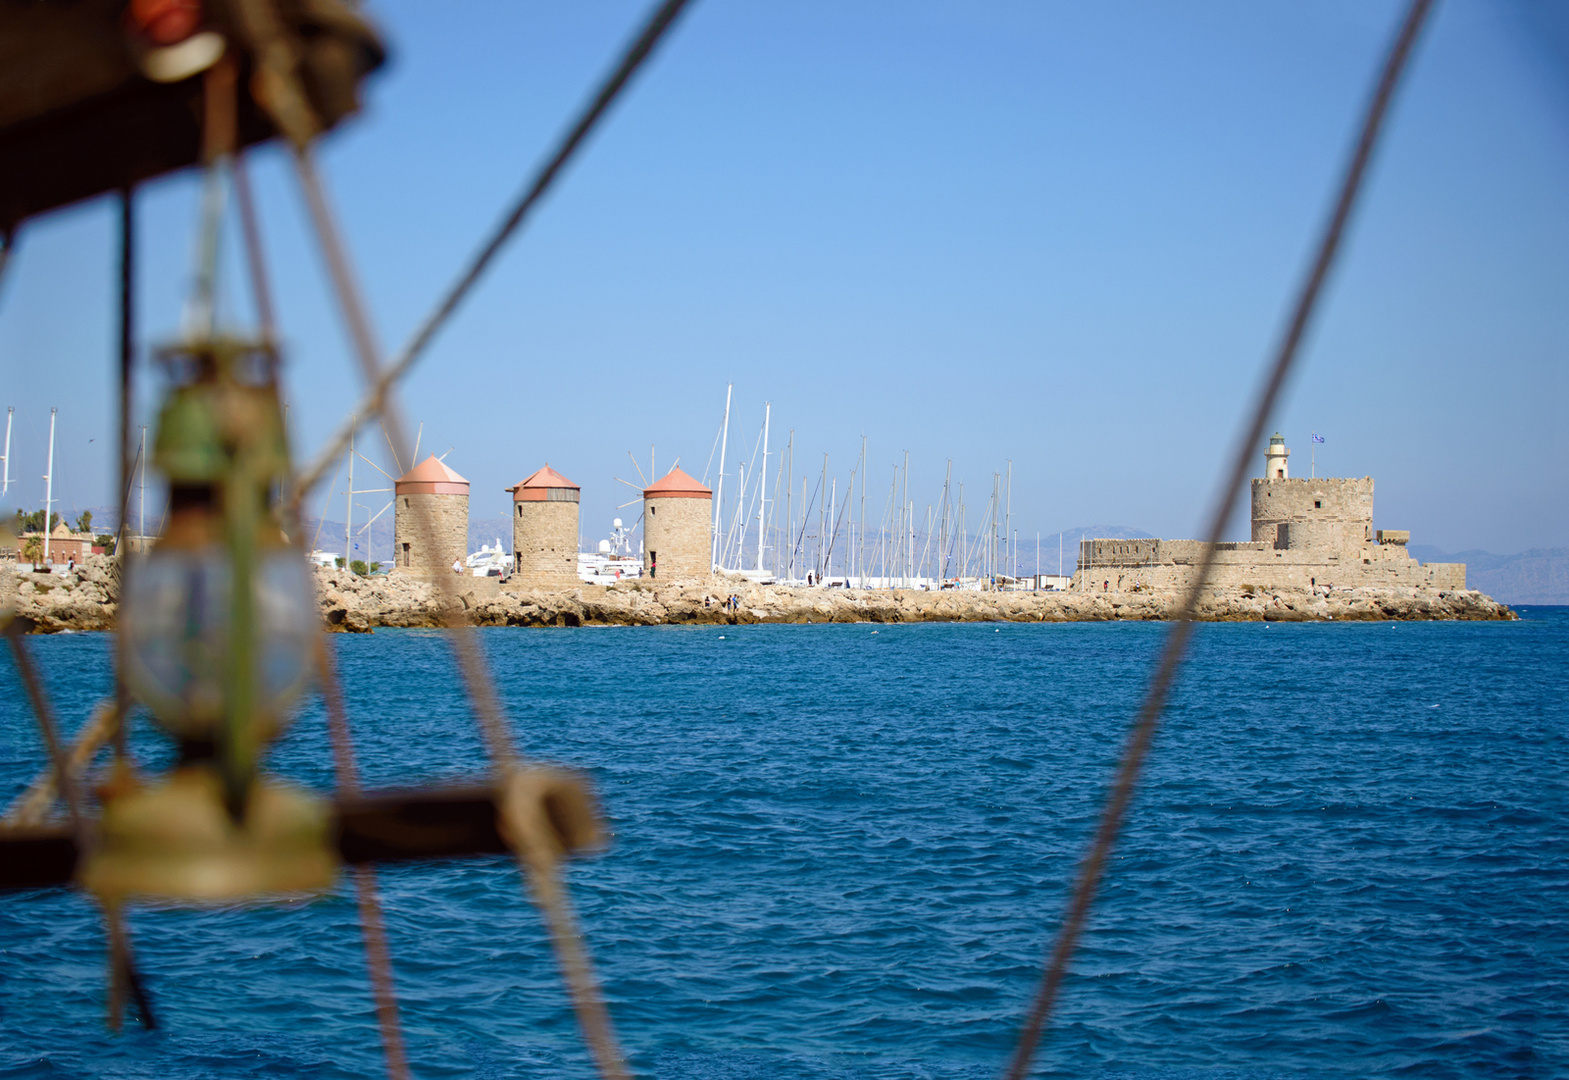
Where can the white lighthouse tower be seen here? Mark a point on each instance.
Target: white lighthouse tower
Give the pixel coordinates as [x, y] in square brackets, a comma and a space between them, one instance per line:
[1275, 458]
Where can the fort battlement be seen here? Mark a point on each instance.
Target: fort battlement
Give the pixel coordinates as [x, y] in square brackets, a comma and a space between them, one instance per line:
[1305, 534]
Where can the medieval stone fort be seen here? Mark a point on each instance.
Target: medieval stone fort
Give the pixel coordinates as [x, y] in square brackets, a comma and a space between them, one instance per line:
[1307, 534]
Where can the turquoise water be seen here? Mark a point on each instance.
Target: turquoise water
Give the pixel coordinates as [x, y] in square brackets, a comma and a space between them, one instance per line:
[841, 852]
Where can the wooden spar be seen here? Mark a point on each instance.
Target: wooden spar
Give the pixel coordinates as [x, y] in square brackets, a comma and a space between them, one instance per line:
[376, 827]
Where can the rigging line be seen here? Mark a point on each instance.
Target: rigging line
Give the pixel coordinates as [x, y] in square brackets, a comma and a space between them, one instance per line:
[321, 521]
[122, 694]
[32, 806]
[487, 707]
[372, 927]
[636, 54]
[7, 249]
[255, 257]
[43, 711]
[1172, 654]
[712, 450]
[571, 955]
[833, 537]
[123, 972]
[800, 541]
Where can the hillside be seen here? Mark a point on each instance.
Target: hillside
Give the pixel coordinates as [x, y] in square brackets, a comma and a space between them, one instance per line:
[1538, 576]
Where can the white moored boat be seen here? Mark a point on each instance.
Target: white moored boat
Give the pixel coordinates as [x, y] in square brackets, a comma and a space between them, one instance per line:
[613, 562]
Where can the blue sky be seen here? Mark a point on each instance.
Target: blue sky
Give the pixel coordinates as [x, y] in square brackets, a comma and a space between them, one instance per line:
[1059, 234]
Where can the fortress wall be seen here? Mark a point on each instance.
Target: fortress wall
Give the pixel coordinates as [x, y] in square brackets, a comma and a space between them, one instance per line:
[1323, 535]
[676, 538]
[1146, 552]
[1344, 501]
[449, 533]
[1306, 533]
[544, 542]
[1274, 569]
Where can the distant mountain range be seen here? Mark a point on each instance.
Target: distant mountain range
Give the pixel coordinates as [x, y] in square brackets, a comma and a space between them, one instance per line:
[1538, 576]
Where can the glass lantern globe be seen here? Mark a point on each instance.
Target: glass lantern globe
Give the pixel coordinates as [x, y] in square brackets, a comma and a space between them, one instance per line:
[177, 636]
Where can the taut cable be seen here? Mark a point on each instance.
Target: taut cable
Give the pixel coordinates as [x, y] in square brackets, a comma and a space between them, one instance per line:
[378, 958]
[1175, 648]
[376, 396]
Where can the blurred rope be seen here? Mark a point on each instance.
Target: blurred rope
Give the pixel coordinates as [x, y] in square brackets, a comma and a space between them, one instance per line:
[375, 400]
[1175, 648]
[378, 958]
[32, 806]
[551, 899]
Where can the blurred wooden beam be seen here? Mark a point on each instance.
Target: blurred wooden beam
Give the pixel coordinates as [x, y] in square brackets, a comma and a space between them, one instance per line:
[376, 827]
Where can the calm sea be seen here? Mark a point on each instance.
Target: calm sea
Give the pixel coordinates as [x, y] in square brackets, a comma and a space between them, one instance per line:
[842, 850]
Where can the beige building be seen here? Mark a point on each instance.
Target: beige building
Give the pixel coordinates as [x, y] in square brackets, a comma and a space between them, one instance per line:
[677, 521]
[545, 530]
[1305, 534]
[64, 544]
[430, 546]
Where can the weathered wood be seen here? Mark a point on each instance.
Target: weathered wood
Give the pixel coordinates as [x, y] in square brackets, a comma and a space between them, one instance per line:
[390, 826]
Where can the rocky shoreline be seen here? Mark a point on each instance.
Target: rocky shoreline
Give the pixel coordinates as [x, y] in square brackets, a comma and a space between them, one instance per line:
[85, 599]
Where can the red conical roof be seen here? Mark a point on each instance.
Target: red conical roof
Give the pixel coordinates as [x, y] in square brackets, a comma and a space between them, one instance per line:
[535, 487]
[431, 477]
[676, 485]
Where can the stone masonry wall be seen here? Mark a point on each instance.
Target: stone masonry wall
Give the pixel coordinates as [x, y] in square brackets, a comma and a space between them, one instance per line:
[1239, 566]
[676, 538]
[544, 543]
[449, 524]
[1346, 502]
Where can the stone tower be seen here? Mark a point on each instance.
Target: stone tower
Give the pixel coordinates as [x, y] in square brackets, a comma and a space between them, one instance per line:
[444, 497]
[1275, 458]
[677, 512]
[544, 529]
[1318, 514]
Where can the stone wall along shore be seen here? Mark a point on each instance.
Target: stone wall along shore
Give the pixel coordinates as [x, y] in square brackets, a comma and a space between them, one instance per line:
[86, 600]
[357, 604]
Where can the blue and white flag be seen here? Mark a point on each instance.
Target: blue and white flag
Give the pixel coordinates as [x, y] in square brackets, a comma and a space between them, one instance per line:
[1317, 437]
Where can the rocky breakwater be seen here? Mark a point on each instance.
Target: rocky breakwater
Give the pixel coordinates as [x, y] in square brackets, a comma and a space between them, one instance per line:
[351, 603]
[84, 598]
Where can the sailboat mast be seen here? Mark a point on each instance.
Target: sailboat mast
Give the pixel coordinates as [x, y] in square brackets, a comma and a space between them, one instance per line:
[942, 554]
[833, 519]
[141, 493]
[788, 547]
[348, 505]
[860, 558]
[719, 493]
[806, 510]
[908, 530]
[762, 490]
[822, 507]
[5, 484]
[1009, 535]
[49, 486]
